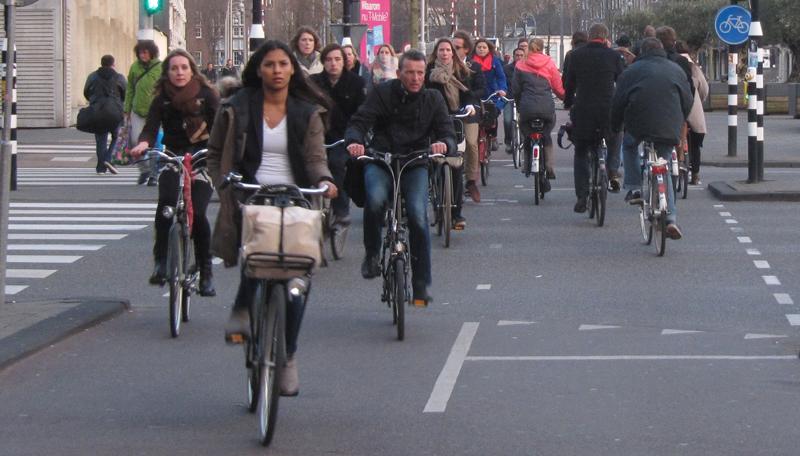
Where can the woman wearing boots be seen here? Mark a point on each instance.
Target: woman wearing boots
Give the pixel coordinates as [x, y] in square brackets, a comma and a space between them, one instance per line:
[184, 106]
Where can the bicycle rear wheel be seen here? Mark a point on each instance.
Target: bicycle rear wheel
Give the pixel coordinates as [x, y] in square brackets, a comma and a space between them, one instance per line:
[645, 217]
[602, 196]
[399, 296]
[661, 232]
[447, 203]
[515, 145]
[271, 344]
[190, 277]
[684, 178]
[537, 188]
[484, 173]
[483, 156]
[175, 278]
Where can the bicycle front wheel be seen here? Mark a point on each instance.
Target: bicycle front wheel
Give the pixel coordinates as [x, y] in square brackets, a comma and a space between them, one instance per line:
[399, 296]
[485, 173]
[338, 240]
[251, 347]
[271, 343]
[515, 146]
[191, 275]
[602, 196]
[661, 233]
[175, 276]
[447, 203]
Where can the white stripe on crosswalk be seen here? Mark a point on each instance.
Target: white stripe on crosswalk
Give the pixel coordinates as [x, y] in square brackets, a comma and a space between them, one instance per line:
[26, 227]
[61, 259]
[58, 146]
[82, 184]
[29, 273]
[70, 159]
[64, 237]
[56, 247]
[79, 219]
[14, 289]
[86, 205]
[78, 212]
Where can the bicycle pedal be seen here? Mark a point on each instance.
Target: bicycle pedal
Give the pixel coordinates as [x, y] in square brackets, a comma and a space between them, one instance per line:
[235, 339]
[420, 303]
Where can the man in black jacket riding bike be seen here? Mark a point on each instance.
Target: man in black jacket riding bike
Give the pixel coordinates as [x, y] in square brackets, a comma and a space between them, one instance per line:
[404, 117]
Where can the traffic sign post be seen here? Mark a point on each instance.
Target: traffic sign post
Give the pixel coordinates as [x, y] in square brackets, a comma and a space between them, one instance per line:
[732, 25]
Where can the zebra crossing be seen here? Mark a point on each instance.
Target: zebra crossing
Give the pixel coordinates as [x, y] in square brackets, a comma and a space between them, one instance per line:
[43, 237]
[78, 152]
[84, 177]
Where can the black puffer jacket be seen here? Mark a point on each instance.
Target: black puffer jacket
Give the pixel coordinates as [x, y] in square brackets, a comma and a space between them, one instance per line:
[589, 87]
[402, 122]
[653, 99]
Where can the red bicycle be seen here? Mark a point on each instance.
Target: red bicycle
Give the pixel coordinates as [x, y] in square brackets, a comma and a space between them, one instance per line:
[488, 122]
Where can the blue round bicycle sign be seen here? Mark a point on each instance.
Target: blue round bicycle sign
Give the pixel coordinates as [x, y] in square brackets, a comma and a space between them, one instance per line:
[733, 24]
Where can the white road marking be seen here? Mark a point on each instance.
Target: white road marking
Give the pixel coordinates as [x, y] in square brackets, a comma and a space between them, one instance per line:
[61, 259]
[29, 273]
[216, 260]
[731, 221]
[505, 219]
[744, 240]
[719, 206]
[763, 336]
[79, 212]
[64, 237]
[14, 289]
[86, 205]
[52, 183]
[783, 298]
[725, 214]
[635, 358]
[446, 382]
[79, 219]
[737, 229]
[771, 280]
[70, 159]
[794, 319]
[514, 323]
[21, 227]
[165, 295]
[58, 247]
[594, 327]
[672, 332]
[519, 186]
[761, 264]
[484, 286]
[754, 252]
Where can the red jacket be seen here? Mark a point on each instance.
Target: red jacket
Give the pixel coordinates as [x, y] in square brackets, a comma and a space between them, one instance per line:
[542, 65]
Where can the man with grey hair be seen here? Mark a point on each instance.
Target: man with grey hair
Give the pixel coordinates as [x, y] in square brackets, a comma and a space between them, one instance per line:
[589, 85]
[653, 100]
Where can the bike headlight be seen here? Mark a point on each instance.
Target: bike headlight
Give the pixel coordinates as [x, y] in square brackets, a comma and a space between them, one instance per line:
[399, 247]
[297, 287]
[168, 212]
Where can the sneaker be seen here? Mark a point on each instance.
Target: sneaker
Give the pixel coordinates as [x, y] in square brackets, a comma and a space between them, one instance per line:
[614, 185]
[289, 381]
[421, 296]
[473, 191]
[111, 168]
[237, 330]
[459, 223]
[152, 182]
[101, 173]
[371, 267]
[673, 232]
[580, 206]
[634, 197]
[142, 178]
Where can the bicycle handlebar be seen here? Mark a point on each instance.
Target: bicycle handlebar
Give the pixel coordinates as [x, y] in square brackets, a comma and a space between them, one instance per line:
[331, 146]
[495, 94]
[235, 179]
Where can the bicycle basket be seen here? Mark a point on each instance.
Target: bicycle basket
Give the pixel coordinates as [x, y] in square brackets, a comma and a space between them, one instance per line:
[280, 242]
[488, 115]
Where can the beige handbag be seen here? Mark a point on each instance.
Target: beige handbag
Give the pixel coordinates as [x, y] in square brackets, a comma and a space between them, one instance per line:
[280, 243]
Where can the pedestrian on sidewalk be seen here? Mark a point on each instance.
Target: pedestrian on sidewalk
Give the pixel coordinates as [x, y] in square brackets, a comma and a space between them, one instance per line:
[210, 73]
[142, 78]
[105, 90]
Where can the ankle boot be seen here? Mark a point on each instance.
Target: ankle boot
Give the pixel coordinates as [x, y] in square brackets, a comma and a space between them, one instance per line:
[159, 276]
[206, 287]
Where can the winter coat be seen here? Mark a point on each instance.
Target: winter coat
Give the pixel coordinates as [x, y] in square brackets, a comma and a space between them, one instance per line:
[495, 80]
[105, 90]
[141, 81]
[535, 80]
[402, 122]
[163, 114]
[310, 66]
[589, 88]
[347, 95]
[652, 99]
[236, 145]
[476, 83]
[697, 116]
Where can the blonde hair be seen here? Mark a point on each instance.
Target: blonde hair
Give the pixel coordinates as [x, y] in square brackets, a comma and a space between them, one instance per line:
[536, 45]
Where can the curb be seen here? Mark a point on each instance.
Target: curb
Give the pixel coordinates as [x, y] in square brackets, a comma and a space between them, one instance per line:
[89, 312]
[743, 164]
[725, 192]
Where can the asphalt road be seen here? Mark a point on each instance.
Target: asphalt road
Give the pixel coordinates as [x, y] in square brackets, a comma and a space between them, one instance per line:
[548, 336]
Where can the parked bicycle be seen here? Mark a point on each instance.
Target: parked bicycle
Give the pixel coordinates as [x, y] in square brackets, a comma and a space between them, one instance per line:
[395, 256]
[287, 283]
[653, 208]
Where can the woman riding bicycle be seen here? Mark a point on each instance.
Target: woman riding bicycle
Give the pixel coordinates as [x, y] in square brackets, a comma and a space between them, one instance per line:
[461, 88]
[492, 68]
[184, 106]
[271, 132]
[536, 78]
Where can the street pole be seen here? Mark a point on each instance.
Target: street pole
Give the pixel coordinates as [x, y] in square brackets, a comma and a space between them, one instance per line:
[146, 32]
[423, 13]
[5, 147]
[257, 28]
[561, 38]
[752, 96]
[483, 19]
[494, 19]
[733, 95]
[346, 18]
[755, 29]
[415, 35]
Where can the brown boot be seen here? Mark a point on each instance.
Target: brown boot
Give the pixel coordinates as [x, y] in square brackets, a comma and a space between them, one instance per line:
[474, 193]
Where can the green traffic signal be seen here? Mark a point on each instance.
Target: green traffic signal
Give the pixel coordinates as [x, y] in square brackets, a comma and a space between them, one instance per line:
[152, 7]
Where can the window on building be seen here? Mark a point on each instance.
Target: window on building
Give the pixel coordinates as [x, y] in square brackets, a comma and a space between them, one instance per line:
[198, 31]
[238, 31]
[238, 58]
[238, 44]
[237, 19]
[198, 57]
[221, 58]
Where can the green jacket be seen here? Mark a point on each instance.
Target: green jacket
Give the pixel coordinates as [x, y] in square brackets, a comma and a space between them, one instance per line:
[140, 86]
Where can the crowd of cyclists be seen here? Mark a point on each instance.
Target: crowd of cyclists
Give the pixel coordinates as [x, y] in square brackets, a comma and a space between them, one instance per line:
[294, 98]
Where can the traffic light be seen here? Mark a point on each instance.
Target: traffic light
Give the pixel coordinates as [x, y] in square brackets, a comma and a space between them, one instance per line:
[152, 7]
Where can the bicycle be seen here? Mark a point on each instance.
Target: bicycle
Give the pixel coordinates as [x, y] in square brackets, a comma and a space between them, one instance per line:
[442, 194]
[335, 233]
[531, 159]
[265, 349]
[516, 136]
[653, 208]
[598, 182]
[488, 121]
[680, 182]
[181, 275]
[395, 254]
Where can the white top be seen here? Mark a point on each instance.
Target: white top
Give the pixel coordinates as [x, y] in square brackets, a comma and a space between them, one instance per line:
[275, 167]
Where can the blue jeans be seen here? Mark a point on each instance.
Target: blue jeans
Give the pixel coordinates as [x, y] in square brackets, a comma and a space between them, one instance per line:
[414, 187]
[633, 179]
[104, 149]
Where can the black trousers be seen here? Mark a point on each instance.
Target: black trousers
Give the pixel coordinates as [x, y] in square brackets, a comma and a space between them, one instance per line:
[695, 148]
[168, 196]
[337, 163]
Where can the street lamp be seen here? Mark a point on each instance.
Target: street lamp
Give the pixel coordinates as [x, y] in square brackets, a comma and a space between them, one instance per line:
[257, 28]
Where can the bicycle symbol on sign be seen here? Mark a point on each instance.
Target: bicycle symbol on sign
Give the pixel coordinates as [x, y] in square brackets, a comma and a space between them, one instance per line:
[734, 22]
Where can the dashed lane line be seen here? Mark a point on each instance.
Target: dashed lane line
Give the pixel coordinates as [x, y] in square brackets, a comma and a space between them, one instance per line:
[783, 298]
[64, 237]
[744, 240]
[14, 289]
[771, 280]
[761, 264]
[446, 382]
[59, 259]
[636, 358]
[56, 247]
[794, 319]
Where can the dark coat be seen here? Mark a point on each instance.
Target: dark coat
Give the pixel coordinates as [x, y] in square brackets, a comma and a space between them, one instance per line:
[402, 122]
[163, 114]
[347, 95]
[590, 77]
[653, 99]
[236, 145]
[105, 90]
[533, 94]
[476, 83]
[508, 69]
[684, 63]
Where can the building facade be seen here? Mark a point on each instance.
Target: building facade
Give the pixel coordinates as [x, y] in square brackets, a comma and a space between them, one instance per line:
[217, 30]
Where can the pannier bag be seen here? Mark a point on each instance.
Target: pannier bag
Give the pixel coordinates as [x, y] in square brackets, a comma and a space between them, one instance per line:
[280, 243]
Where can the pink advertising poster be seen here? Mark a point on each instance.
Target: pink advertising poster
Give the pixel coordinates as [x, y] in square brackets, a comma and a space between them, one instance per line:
[377, 14]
